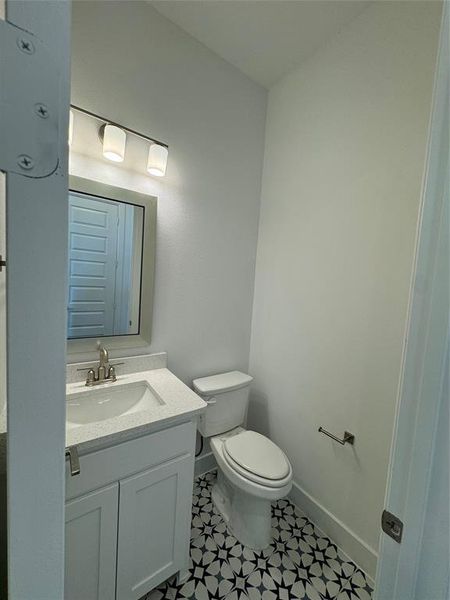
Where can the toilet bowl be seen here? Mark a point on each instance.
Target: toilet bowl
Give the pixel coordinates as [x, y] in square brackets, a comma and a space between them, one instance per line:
[253, 472]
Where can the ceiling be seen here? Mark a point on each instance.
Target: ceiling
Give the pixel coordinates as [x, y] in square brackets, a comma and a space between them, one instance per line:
[265, 39]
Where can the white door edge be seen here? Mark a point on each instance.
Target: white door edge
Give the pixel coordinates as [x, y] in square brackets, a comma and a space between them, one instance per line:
[408, 482]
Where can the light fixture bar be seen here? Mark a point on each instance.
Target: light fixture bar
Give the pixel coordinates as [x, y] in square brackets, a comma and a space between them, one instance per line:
[127, 129]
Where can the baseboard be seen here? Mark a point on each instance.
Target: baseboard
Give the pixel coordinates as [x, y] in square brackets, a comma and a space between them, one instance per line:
[353, 546]
[204, 463]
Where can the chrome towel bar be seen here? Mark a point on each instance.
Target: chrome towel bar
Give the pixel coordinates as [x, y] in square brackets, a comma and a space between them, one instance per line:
[349, 438]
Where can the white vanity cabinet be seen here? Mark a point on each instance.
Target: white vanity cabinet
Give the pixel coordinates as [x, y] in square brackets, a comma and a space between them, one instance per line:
[128, 516]
[152, 527]
[91, 545]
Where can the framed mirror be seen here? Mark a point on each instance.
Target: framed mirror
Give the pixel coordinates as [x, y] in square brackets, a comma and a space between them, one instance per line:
[111, 261]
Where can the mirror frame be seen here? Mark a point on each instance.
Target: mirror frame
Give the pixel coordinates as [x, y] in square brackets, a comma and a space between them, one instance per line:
[150, 203]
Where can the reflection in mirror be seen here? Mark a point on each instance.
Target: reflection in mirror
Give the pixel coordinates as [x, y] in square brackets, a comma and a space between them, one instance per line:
[105, 266]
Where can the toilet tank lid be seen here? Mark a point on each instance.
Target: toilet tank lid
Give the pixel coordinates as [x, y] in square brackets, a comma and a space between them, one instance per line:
[224, 382]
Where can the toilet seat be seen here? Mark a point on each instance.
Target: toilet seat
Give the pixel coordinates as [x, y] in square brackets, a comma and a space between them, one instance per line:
[257, 458]
[242, 479]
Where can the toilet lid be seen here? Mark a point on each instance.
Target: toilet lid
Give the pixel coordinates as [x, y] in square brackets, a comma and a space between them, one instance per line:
[258, 455]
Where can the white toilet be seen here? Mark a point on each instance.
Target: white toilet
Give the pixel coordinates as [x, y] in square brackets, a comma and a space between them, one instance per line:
[253, 471]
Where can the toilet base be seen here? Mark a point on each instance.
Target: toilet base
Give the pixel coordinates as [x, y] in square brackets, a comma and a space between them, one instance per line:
[248, 517]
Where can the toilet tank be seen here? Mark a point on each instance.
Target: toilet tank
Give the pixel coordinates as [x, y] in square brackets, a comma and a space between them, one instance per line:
[227, 398]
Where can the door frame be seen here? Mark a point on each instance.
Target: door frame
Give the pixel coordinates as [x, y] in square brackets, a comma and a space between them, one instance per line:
[36, 232]
[420, 385]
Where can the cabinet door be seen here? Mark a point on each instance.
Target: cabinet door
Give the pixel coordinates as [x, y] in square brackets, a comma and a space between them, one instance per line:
[154, 526]
[91, 545]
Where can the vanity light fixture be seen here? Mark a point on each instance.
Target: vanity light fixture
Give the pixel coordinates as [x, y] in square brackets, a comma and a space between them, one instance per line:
[114, 140]
[114, 136]
[70, 134]
[157, 160]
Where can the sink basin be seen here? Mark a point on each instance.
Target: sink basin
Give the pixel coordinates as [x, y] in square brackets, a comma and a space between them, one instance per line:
[94, 405]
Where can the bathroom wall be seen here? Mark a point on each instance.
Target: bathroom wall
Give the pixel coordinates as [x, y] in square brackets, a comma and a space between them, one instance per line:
[344, 156]
[132, 65]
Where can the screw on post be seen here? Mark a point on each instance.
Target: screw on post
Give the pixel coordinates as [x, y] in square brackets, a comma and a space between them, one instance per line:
[25, 162]
[25, 45]
[41, 110]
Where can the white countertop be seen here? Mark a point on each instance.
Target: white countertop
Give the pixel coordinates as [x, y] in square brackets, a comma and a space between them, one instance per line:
[180, 402]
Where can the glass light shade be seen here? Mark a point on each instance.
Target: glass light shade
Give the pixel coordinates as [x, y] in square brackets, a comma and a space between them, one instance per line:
[157, 160]
[70, 135]
[114, 140]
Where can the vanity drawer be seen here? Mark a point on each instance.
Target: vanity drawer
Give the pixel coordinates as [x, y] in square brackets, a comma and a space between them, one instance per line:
[102, 467]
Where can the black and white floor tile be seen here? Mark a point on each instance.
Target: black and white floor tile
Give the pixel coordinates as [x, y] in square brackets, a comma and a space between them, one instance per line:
[301, 563]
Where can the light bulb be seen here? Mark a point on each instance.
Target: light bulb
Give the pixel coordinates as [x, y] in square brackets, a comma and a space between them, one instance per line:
[157, 160]
[114, 140]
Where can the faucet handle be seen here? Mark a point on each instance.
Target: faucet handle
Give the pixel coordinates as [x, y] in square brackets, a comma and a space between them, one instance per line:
[90, 379]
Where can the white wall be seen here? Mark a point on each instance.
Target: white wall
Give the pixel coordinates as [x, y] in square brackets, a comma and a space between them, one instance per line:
[345, 141]
[132, 65]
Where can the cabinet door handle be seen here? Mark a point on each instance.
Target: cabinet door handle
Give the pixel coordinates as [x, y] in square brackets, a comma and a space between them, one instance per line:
[74, 461]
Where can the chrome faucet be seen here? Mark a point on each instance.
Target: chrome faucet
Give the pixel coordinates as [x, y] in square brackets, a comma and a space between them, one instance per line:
[106, 373]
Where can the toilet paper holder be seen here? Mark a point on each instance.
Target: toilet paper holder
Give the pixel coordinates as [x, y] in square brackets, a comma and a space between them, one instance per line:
[348, 438]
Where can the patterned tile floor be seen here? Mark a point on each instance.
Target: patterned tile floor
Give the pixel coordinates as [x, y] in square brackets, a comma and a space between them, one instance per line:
[301, 562]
